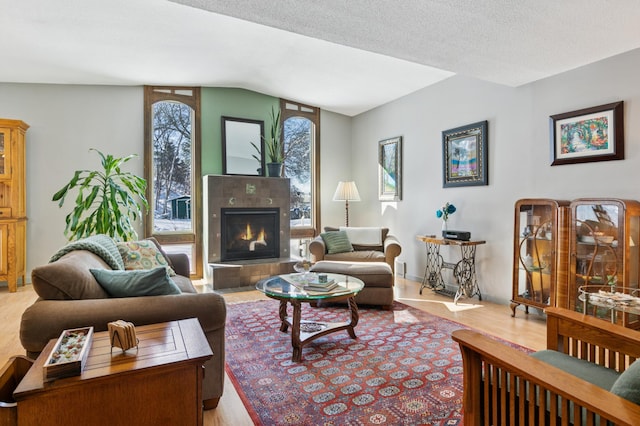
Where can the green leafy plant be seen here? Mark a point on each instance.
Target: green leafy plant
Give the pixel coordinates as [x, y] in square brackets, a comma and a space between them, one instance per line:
[273, 143]
[106, 201]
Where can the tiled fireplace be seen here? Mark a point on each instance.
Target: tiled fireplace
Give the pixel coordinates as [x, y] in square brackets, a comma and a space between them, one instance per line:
[247, 229]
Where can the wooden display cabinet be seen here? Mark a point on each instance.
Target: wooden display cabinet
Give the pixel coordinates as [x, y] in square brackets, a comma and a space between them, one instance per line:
[13, 204]
[538, 263]
[604, 247]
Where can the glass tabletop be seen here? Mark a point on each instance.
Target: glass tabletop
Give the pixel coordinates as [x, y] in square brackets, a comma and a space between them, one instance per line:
[295, 286]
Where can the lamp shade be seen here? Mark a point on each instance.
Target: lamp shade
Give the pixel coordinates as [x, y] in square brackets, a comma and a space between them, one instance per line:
[346, 191]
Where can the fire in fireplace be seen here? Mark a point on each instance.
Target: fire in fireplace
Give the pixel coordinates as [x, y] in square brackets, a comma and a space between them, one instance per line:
[250, 233]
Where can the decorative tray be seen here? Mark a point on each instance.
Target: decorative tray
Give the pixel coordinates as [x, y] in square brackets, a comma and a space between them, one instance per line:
[69, 355]
[590, 239]
[623, 300]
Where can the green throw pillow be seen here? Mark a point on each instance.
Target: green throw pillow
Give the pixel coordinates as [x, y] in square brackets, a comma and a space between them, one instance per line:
[628, 384]
[337, 242]
[152, 282]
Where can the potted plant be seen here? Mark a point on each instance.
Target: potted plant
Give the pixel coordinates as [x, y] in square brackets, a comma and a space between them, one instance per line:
[108, 200]
[274, 155]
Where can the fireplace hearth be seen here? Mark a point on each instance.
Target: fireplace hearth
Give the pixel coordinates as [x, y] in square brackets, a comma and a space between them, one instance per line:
[250, 233]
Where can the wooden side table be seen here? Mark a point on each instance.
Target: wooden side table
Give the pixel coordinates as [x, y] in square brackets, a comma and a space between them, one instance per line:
[160, 383]
[464, 270]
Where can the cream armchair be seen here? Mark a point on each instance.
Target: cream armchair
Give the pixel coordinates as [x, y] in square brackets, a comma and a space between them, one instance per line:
[369, 245]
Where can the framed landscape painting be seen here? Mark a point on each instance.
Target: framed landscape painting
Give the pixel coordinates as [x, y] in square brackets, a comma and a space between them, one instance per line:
[390, 169]
[464, 155]
[587, 135]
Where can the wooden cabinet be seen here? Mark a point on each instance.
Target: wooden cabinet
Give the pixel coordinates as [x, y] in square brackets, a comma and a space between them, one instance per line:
[604, 246]
[13, 202]
[539, 263]
[157, 383]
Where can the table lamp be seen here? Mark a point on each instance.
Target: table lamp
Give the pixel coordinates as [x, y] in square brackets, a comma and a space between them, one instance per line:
[346, 191]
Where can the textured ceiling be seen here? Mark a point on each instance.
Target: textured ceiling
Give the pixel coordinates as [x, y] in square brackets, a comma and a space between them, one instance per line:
[344, 56]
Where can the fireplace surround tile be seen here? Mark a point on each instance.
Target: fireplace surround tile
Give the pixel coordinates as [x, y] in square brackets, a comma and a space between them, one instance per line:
[223, 191]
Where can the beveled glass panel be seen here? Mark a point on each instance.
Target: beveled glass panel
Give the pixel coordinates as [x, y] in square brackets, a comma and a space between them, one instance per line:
[2, 156]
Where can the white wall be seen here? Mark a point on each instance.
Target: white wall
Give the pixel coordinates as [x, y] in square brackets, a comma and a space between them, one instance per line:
[335, 165]
[519, 159]
[65, 122]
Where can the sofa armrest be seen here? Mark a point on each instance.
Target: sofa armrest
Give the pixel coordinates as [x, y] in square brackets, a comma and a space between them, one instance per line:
[495, 376]
[180, 263]
[392, 249]
[45, 319]
[317, 249]
[585, 337]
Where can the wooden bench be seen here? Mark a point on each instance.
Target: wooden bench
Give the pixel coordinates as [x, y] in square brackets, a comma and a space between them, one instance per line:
[495, 375]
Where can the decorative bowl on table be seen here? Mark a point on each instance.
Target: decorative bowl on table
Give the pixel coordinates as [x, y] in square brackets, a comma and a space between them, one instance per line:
[302, 267]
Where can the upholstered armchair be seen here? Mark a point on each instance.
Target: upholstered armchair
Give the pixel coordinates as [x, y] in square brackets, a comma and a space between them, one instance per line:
[365, 244]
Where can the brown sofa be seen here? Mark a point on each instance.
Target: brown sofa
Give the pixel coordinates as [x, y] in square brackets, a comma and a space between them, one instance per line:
[70, 297]
[386, 252]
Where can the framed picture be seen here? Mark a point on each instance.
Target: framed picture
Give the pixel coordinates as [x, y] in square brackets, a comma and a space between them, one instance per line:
[464, 155]
[390, 169]
[586, 135]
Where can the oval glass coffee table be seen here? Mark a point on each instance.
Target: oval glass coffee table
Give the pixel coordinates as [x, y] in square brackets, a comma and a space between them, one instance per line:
[290, 288]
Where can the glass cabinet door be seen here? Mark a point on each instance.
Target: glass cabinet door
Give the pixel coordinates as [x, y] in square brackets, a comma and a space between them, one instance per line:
[604, 258]
[536, 262]
[4, 142]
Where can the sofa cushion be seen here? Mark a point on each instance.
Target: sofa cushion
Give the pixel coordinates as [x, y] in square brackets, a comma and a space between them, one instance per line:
[68, 278]
[373, 274]
[357, 256]
[337, 242]
[184, 284]
[588, 371]
[152, 282]
[628, 384]
[357, 245]
[142, 254]
[364, 236]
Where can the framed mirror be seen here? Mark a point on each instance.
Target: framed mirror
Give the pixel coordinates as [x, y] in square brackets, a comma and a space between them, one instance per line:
[241, 139]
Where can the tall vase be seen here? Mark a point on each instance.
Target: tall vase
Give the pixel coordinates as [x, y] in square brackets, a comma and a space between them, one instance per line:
[444, 225]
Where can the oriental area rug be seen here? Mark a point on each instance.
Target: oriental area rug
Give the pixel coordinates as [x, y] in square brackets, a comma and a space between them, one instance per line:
[403, 368]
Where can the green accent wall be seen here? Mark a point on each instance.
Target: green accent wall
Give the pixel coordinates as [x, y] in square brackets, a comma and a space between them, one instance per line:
[216, 102]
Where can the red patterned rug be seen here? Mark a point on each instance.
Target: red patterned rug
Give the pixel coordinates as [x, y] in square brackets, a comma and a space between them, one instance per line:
[403, 369]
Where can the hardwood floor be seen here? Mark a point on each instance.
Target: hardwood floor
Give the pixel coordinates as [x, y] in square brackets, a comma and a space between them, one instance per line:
[526, 330]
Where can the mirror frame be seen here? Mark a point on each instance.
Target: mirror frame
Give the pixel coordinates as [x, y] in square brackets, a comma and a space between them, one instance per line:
[232, 139]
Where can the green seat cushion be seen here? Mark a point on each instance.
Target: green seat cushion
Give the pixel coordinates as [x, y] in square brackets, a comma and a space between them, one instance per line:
[588, 371]
[152, 282]
[336, 242]
[628, 384]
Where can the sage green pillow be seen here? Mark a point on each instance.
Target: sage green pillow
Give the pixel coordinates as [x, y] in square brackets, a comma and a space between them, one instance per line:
[151, 282]
[628, 384]
[337, 242]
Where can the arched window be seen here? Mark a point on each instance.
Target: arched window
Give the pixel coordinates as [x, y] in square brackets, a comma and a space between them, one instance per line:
[301, 135]
[172, 170]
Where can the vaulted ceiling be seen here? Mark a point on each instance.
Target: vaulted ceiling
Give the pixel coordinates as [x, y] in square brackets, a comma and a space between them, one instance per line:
[343, 56]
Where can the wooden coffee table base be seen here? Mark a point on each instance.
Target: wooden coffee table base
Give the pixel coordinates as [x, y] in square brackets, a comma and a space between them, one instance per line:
[303, 332]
